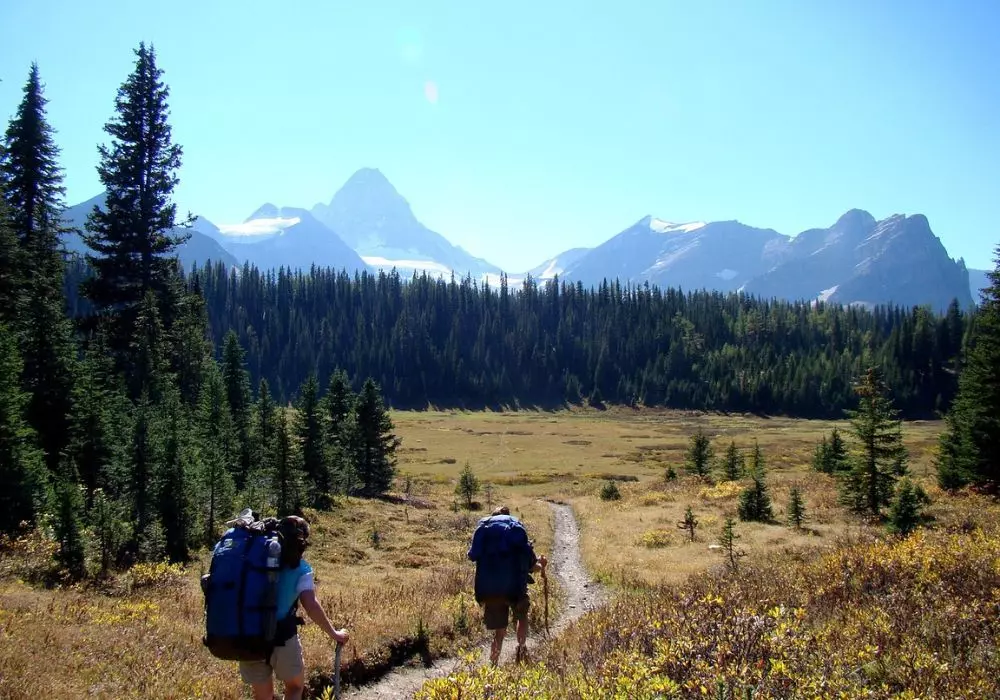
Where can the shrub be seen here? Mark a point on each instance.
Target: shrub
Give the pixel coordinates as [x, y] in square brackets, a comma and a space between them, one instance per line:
[610, 491]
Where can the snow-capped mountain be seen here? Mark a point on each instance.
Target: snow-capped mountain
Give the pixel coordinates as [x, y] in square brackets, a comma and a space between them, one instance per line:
[377, 222]
[199, 248]
[289, 237]
[857, 260]
[557, 265]
[721, 255]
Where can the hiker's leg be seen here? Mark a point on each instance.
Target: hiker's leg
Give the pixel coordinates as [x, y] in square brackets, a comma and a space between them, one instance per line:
[289, 667]
[258, 675]
[521, 615]
[293, 688]
[497, 645]
[496, 617]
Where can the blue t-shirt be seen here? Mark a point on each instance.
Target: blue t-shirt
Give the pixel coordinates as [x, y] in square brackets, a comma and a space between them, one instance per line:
[291, 582]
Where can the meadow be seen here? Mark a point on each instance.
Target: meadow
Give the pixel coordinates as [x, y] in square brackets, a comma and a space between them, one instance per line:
[394, 570]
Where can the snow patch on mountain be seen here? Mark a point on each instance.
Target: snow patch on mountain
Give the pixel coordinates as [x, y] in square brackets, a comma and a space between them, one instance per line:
[827, 293]
[420, 265]
[259, 227]
[726, 274]
[661, 226]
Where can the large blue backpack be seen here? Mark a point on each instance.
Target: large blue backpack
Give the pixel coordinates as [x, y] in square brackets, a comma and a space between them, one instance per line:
[503, 557]
[241, 593]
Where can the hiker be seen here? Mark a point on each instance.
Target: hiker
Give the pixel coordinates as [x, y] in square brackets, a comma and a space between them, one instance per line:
[504, 561]
[295, 585]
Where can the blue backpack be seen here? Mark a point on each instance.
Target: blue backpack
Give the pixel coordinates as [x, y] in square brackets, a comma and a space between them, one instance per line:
[503, 557]
[241, 592]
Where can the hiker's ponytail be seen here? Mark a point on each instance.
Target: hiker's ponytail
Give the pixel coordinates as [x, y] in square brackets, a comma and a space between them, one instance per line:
[294, 533]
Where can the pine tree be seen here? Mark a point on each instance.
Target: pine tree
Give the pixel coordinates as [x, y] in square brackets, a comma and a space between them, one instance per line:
[732, 463]
[237, 380]
[132, 236]
[375, 446]
[905, 511]
[148, 373]
[839, 460]
[191, 350]
[796, 508]
[821, 457]
[467, 486]
[690, 523]
[107, 522]
[143, 472]
[869, 485]
[286, 474]
[33, 192]
[727, 540]
[11, 271]
[263, 431]
[971, 441]
[22, 473]
[312, 439]
[755, 501]
[699, 455]
[175, 497]
[67, 508]
[219, 457]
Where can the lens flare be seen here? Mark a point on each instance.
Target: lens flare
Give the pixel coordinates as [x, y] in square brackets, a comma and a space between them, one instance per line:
[431, 92]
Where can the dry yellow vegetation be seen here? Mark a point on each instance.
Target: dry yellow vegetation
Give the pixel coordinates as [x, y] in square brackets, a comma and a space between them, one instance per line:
[139, 636]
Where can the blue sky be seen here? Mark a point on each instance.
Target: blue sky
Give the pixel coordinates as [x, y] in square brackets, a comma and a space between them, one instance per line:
[520, 129]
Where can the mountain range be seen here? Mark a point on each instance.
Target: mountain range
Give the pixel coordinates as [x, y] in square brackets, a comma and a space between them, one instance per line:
[368, 225]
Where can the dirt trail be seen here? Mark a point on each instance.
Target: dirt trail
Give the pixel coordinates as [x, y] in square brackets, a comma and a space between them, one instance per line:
[581, 595]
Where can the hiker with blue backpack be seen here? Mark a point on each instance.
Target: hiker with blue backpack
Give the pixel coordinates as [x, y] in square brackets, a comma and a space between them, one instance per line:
[504, 561]
[258, 578]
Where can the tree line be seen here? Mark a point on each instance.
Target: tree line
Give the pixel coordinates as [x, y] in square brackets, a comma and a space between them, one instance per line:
[121, 432]
[461, 343]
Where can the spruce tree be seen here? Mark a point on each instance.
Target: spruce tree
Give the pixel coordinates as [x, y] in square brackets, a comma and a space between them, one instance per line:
[467, 486]
[33, 194]
[971, 441]
[237, 380]
[338, 405]
[376, 444]
[12, 293]
[755, 501]
[732, 463]
[219, 456]
[821, 457]
[22, 472]
[143, 472]
[148, 374]
[191, 351]
[690, 523]
[727, 540]
[312, 439]
[796, 508]
[869, 484]
[839, 459]
[68, 510]
[905, 511]
[286, 474]
[175, 492]
[107, 521]
[132, 237]
[263, 431]
[699, 455]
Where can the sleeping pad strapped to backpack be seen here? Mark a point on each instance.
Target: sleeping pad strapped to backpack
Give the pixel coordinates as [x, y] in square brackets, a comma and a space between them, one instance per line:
[503, 558]
[241, 592]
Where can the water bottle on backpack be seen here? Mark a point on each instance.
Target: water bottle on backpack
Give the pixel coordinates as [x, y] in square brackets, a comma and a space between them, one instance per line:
[271, 599]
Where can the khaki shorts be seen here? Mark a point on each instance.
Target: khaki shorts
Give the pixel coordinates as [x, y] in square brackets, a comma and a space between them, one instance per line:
[286, 662]
[496, 613]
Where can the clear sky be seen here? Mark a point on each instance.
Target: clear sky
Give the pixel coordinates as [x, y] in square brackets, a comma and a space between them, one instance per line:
[520, 129]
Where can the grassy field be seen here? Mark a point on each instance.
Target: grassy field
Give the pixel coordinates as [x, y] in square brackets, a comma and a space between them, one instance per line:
[140, 635]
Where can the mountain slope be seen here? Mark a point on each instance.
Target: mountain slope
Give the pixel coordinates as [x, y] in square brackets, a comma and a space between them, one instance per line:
[557, 265]
[978, 281]
[199, 248]
[721, 255]
[287, 237]
[377, 222]
[898, 260]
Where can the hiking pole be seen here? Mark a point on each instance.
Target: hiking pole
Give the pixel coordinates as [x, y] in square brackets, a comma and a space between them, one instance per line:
[336, 670]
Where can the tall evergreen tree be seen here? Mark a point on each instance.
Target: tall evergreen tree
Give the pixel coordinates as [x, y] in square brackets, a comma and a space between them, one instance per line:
[67, 508]
[971, 441]
[22, 473]
[175, 497]
[109, 527]
[237, 380]
[219, 456]
[132, 237]
[375, 445]
[143, 472]
[286, 472]
[312, 440]
[338, 405]
[839, 459]
[699, 455]
[33, 192]
[148, 354]
[732, 463]
[869, 484]
[191, 351]
[755, 501]
[11, 271]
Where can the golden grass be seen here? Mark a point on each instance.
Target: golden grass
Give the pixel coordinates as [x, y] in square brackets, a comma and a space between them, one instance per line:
[83, 642]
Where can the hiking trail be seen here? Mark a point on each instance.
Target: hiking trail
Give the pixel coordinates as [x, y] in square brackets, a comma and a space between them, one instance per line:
[581, 594]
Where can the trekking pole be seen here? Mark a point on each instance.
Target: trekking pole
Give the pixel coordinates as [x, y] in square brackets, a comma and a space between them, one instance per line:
[336, 670]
